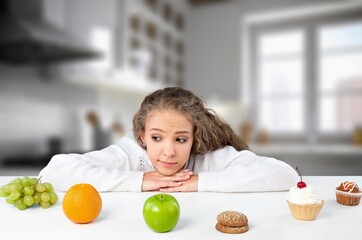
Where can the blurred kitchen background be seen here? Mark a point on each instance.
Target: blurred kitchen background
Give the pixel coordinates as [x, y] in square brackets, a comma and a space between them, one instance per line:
[285, 74]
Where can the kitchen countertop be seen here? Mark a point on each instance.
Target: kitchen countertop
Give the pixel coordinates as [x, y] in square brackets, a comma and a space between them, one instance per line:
[121, 216]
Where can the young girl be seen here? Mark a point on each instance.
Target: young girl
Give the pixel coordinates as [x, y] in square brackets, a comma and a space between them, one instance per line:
[178, 145]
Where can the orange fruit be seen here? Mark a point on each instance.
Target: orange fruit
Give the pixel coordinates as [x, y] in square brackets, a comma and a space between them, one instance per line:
[82, 203]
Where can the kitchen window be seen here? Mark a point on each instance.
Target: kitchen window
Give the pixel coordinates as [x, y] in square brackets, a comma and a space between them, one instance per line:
[340, 79]
[280, 78]
[306, 76]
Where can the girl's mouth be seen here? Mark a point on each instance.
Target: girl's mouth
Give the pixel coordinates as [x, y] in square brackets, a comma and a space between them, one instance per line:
[167, 164]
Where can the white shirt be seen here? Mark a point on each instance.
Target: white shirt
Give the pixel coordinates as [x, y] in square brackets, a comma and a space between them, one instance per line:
[120, 167]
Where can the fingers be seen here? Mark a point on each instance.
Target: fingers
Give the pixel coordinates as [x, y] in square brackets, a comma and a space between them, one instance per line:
[156, 181]
[155, 186]
[190, 185]
[182, 175]
[180, 188]
[184, 171]
[169, 184]
[178, 178]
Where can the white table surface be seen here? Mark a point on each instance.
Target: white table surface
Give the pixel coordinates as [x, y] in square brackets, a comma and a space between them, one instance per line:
[121, 217]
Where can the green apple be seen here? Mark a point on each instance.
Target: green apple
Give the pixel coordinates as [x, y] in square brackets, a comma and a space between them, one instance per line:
[161, 212]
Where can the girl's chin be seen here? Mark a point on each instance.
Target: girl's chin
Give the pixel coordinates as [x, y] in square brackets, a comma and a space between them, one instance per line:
[166, 172]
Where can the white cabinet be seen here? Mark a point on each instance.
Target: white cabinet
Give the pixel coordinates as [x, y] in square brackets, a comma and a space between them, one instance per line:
[156, 33]
[142, 42]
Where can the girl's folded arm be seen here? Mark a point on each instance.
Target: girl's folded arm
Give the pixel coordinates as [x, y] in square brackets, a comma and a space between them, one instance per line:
[246, 172]
[107, 170]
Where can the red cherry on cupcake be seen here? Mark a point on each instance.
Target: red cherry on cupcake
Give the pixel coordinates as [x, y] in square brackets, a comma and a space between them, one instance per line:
[300, 184]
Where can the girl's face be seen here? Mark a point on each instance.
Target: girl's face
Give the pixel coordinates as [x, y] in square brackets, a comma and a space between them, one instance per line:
[168, 136]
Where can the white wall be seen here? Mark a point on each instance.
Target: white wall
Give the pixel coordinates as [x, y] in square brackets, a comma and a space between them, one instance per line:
[213, 50]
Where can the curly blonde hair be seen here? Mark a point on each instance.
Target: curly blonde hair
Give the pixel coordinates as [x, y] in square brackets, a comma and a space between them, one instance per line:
[210, 132]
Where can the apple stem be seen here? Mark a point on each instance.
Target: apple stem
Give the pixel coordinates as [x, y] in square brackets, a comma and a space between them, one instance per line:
[161, 197]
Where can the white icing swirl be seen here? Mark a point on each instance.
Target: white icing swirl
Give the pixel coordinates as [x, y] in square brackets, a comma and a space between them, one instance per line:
[349, 186]
[306, 195]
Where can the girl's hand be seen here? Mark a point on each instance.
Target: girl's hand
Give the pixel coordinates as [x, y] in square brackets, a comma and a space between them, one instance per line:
[190, 185]
[155, 181]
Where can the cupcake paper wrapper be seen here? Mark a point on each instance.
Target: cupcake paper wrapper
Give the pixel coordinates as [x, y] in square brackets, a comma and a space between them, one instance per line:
[305, 212]
[348, 199]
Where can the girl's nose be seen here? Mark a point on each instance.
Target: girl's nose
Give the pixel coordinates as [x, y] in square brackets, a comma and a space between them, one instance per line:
[169, 150]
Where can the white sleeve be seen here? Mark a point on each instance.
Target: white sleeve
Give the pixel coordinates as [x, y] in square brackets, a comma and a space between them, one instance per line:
[231, 171]
[109, 169]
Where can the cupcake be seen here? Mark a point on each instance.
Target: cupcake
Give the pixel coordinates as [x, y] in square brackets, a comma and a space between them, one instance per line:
[348, 194]
[303, 202]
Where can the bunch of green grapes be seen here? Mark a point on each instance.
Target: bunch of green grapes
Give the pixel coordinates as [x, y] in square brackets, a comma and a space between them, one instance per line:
[26, 192]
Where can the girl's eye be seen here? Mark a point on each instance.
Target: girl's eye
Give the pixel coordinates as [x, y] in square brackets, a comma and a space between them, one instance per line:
[181, 140]
[156, 138]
